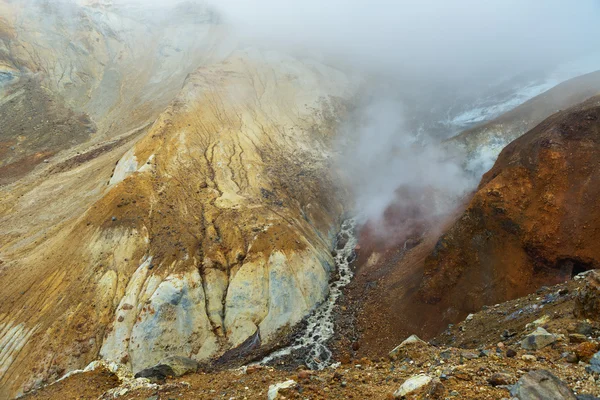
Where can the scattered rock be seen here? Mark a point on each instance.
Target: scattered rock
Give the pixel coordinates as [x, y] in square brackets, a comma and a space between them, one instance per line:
[571, 358]
[577, 338]
[510, 353]
[411, 340]
[587, 397]
[595, 363]
[529, 358]
[584, 328]
[180, 365]
[589, 297]
[156, 373]
[282, 387]
[539, 339]
[585, 351]
[412, 384]
[538, 322]
[304, 375]
[435, 389]
[541, 385]
[499, 379]
[469, 355]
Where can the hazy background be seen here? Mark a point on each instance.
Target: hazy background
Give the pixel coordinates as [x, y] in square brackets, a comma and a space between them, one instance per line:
[428, 61]
[431, 68]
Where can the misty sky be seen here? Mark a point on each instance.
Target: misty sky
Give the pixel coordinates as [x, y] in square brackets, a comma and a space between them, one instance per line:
[436, 39]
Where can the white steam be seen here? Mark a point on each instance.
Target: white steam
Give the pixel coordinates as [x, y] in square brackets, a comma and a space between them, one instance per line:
[432, 56]
[388, 163]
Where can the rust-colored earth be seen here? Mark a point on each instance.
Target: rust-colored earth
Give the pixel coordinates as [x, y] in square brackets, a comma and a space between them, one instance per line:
[533, 221]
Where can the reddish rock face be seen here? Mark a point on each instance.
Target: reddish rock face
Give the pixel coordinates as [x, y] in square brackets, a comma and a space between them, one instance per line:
[534, 220]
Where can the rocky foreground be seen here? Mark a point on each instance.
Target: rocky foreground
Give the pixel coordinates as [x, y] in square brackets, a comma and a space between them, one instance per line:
[543, 346]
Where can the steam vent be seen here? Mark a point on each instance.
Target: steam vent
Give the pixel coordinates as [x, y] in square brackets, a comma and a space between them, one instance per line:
[294, 200]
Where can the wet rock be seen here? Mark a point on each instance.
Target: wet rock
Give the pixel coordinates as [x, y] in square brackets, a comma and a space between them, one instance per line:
[280, 388]
[541, 385]
[539, 339]
[412, 384]
[342, 241]
[499, 379]
[411, 340]
[587, 397]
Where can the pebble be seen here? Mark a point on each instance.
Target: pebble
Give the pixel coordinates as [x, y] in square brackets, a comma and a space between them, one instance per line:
[499, 379]
[528, 358]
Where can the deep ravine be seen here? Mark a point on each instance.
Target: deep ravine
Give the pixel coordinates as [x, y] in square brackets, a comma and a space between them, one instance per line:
[320, 325]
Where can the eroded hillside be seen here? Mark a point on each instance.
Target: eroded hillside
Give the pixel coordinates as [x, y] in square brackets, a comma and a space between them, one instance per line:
[190, 209]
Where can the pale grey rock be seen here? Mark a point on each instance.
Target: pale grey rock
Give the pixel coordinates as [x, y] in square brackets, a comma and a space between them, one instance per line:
[412, 384]
[539, 339]
[541, 385]
[274, 389]
[595, 363]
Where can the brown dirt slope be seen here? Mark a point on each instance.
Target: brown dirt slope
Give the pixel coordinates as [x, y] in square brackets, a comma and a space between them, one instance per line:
[533, 220]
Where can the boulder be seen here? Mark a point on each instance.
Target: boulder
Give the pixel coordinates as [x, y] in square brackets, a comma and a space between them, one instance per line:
[539, 339]
[500, 379]
[595, 363]
[412, 384]
[169, 367]
[541, 385]
[589, 296]
[280, 387]
[411, 340]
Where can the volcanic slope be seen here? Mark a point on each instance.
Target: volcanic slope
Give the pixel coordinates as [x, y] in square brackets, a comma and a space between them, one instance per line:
[531, 222]
[182, 221]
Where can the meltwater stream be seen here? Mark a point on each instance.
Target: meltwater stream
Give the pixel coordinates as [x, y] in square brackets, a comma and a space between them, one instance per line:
[320, 325]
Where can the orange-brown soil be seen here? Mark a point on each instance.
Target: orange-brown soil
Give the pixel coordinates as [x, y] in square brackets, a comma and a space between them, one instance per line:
[533, 221]
[463, 372]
